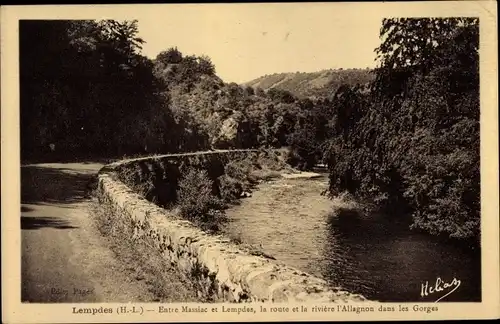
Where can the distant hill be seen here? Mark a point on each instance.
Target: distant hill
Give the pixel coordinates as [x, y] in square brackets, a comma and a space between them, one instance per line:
[314, 84]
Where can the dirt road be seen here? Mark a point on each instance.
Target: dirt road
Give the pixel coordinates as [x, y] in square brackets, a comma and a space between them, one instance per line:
[64, 257]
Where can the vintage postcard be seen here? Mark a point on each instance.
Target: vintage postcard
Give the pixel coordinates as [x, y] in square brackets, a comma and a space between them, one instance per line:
[250, 162]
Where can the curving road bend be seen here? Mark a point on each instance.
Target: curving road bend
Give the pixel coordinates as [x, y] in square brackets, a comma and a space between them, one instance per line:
[64, 258]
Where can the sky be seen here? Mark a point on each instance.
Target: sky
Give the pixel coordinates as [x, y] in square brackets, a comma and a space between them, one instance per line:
[248, 41]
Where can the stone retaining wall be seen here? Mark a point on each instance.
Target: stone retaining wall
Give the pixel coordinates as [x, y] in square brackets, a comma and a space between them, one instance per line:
[218, 267]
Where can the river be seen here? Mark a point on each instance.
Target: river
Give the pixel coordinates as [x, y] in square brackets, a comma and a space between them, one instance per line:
[374, 256]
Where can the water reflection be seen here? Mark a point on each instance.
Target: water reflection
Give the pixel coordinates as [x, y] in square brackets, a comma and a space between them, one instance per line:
[382, 259]
[375, 255]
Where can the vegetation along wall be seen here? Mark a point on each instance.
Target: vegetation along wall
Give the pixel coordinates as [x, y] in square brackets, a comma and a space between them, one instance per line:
[219, 268]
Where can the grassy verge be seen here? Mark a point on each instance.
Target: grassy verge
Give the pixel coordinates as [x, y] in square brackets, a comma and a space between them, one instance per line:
[144, 263]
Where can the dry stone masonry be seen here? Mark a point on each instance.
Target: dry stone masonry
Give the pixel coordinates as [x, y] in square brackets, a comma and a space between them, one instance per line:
[219, 269]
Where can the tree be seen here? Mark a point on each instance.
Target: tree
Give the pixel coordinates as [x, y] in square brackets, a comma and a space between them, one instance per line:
[205, 65]
[259, 92]
[419, 45]
[170, 56]
[280, 95]
[83, 83]
[411, 144]
[249, 91]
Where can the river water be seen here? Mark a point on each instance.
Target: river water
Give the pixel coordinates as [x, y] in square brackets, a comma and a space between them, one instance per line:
[371, 255]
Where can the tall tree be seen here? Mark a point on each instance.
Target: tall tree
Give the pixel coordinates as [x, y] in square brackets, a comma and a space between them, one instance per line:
[416, 143]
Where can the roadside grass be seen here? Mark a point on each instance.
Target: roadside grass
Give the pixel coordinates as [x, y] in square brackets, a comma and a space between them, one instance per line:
[143, 263]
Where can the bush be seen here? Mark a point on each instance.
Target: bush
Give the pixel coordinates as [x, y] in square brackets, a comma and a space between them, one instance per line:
[230, 188]
[423, 160]
[238, 170]
[196, 199]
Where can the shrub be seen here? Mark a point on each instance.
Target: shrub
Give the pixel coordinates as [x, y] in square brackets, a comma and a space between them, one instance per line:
[196, 199]
[238, 169]
[139, 181]
[230, 188]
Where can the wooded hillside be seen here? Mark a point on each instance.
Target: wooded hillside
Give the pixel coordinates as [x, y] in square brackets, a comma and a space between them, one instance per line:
[406, 140]
[315, 84]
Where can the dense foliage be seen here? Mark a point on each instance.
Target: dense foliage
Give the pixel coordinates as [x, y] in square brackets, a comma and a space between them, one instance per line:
[85, 87]
[413, 140]
[83, 84]
[196, 199]
[404, 136]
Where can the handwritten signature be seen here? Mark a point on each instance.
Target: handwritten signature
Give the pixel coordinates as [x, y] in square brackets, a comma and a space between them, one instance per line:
[439, 286]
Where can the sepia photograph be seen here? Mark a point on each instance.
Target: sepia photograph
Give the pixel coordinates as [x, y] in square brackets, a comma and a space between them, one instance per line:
[248, 155]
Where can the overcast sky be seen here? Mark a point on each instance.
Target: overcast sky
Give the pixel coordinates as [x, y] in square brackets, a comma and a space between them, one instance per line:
[248, 41]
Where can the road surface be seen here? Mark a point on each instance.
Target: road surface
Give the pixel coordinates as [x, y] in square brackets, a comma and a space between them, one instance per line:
[64, 256]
